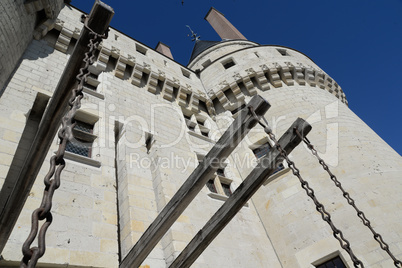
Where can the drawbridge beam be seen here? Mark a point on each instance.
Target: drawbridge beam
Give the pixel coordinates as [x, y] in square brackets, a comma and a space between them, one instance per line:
[194, 184]
[239, 198]
[12, 199]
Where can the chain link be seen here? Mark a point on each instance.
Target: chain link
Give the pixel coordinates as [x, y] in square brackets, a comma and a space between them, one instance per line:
[345, 244]
[57, 163]
[351, 202]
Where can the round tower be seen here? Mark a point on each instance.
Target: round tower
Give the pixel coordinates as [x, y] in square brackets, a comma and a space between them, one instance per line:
[235, 69]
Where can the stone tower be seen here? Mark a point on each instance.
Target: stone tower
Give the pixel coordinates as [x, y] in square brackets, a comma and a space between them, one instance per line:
[146, 122]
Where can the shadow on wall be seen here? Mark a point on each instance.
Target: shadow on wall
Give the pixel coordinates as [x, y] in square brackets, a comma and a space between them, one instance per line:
[37, 49]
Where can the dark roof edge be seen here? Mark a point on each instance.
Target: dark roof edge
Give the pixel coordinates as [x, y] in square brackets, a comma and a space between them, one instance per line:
[254, 47]
[216, 43]
[132, 38]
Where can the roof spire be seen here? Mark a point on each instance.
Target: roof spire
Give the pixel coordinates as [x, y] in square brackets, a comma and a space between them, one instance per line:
[194, 36]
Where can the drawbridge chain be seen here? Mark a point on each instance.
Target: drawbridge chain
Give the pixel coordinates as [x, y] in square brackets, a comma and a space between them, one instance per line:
[351, 202]
[345, 244]
[57, 163]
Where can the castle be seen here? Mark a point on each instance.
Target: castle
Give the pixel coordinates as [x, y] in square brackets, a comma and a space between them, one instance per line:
[146, 122]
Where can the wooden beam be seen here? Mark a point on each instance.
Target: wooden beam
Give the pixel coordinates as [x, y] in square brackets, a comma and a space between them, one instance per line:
[243, 193]
[193, 185]
[13, 201]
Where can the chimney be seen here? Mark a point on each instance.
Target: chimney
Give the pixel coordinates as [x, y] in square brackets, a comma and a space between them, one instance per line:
[164, 49]
[222, 26]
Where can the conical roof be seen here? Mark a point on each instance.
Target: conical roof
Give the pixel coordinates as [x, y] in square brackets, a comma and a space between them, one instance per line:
[200, 46]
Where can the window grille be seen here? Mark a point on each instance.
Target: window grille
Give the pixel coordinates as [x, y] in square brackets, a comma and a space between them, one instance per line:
[332, 263]
[262, 150]
[85, 127]
[79, 147]
[83, 139]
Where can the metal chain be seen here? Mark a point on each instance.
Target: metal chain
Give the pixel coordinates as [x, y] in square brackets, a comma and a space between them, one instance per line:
[345, 244]
[351, 202]
[57, 163]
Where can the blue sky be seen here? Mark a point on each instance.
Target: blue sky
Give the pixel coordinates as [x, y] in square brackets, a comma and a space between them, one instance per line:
[358, 43]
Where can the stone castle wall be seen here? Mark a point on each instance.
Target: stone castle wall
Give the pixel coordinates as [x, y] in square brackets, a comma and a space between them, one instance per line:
[114, 195]
[19, 22]
[154, 119]
[366, 166]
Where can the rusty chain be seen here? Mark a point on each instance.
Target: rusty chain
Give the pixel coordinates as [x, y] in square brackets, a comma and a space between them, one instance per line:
[57, 163]
[351, 202]
[345, 244]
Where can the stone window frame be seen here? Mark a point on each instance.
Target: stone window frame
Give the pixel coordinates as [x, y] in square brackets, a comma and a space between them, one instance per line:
[330, 257]
[186, 73]
[83, 138]
[91, 87]
[283, 52]
[218, 180]
[198, 124]
[90, 119]
[220, 193]
[228, 63]
[141, 49]
[277, 173]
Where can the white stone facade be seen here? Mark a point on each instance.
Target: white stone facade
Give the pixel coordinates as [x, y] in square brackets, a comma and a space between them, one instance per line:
[154, 119]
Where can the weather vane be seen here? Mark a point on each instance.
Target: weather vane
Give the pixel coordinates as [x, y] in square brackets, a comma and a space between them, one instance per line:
[194, 36]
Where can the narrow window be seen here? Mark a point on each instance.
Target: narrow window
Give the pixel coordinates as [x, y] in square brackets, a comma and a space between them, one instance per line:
[332, 263]
[283, 52]
[279, 168]
[211, 186]
[91, 81]
[40, 17]
[201, 125]
[226, 189]
[188, 99]
[84, 127]
[83, 139]
[185, 73]
[203, 106]
[206, 63]
[80, 147]
[229, 63]
[205, 133]
[262, 150]
[191, 127]
[220, 172]
[140, 49]
[149, 141]
[220, 186]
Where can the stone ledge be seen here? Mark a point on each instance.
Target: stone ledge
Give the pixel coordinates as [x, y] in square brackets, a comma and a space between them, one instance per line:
[276, 175]
[82, 159]
[192, 133]
[93, 93]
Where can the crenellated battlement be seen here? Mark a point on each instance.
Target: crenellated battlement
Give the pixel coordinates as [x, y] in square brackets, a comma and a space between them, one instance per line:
[143, 67]
[145, 124]
[268, 76]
